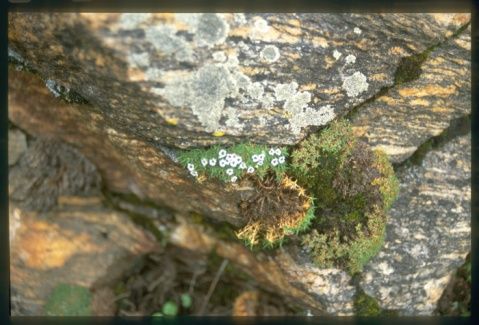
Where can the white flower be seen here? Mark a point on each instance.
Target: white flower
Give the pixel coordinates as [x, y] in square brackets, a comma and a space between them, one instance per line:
[272, 151]
[261, 157]
[234, 179]
[223, 163]
[230, 171]
[194, 173]
[250, 170]
[238, 160]
[230, 157]
[233, 163]
[259, 163]
[278, 151]
[255, 158]
[281, 160]
[274, 162]
[204, 162]
[222, 153]
[242, 166]
[191, 167]
[212, 162]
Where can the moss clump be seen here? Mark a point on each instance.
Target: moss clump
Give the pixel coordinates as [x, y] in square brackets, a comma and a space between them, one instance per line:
[275, 211]
[365, 305]
[68, 300]
[230, 164]
[353, 187]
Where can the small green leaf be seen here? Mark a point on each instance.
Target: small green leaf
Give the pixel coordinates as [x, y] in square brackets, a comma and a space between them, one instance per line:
[170, 309]
[186, 300]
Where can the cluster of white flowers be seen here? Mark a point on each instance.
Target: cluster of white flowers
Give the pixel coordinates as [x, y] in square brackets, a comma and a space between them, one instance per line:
[277, 160]
[192, 170]
[230, 161]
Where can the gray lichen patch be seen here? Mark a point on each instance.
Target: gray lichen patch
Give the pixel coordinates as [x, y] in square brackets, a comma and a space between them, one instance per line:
[355, 84]
[255, 90]
[296, 103]
[133, 20]
[53, 87]
[163, 38]
[336, 54]
[350, 59]
[15, 56]
[284, 91]
[204, 92]
[270, 53]
[139, 59]
[310, 116]
[211, 30]
[232, 120]
[219, 56]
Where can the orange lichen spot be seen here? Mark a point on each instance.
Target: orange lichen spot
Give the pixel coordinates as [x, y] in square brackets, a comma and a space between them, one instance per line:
[388, 100]
[378, 77]
[44, 245]
[397, 50]
[429, 90]
[307, 87]
[320, 41]
[419, 102]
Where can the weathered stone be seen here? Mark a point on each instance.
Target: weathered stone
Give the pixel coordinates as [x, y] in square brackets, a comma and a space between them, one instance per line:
[47, 170]
[17, 144]
[80, 243]
[428, 234]
[127, 164]
[175, 79]
[409, 114]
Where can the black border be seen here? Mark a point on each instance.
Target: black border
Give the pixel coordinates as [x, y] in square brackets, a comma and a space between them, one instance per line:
[227, 6]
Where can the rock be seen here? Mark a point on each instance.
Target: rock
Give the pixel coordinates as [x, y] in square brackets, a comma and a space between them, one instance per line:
[429, 232]
[17, 144]
[47, 170]
[85, 244]
[184, 79]
[409, 114]
[60, 230]
[323, 291]
[127, 164]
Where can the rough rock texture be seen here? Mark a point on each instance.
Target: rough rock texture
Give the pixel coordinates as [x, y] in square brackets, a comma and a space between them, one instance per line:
[78, 241]
[17, 144]
[141, 84]
[401, 120]
[322, 291]
[125, 163]
[185, 79]
[428, 235]
[47, 170]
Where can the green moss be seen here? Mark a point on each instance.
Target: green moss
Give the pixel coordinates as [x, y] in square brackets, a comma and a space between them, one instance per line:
[409, 68]
[365, 305]
[315, 163]
[68, 300]
[353, 188]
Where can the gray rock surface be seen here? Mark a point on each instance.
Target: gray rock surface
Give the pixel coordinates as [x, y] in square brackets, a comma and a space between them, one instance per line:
[17, 144]
[47, 170]
[428, 233]
[409, 114]
[197, 79]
